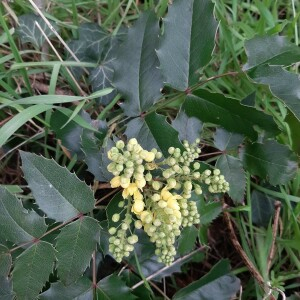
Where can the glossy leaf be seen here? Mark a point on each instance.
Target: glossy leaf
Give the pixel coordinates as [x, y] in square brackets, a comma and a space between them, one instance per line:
[137, 76]
[212, 278]
[79, 290]
[153, 131]
[188, 128]
[32, 270]
[270, 160]
[272, 50]
[232, 168]
[188, 41]
[29, 32]
[208, 211]
[17, 224]
[224, 140]
[187, 239]
[229, 113]
[112, 287]
[5, 261]
[283, 85]
[262, 208]
[6, 292]
[75, 245]
[58, 192]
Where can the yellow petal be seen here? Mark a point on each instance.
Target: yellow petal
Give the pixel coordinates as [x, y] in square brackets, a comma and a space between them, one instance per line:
[125, 193]
[137, 196]
[132, 188]
[172, 203]
[115, 182]
[138, 207]
[140, 183]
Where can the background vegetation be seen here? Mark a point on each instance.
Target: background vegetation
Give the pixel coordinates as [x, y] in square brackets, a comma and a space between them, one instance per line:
[251, 235]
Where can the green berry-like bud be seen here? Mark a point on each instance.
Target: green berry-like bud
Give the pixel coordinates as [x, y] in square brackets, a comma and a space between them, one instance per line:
[156, 185]
[148, 177]
[197, 175]
[171, 182]
[196, 165]
[217, 172]
[155, 197]
[112, 230]
[115, 217]
[121, 204]
[207, 172]
[120, 144]
[138, 224]
[171, 150]
[158, 155]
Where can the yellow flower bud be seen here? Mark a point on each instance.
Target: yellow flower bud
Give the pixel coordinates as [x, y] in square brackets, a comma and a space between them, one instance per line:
[140, 183]
[115, 182]
[144, 214]
[137, 196]
[149, 157]
[165, 194]
[125, 182]
[172, 203]
[138, 207]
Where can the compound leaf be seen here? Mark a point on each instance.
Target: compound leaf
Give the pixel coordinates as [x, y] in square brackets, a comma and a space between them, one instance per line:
[232, 169]
[153, 131]
[217, 284]
[17, 224]
[188, 128]
[58, 192]
[283, 85]
[188, 41]
[270, 160]
[229, 113]
[272, 50]
[224, 140]
[79, 290]
[5, 261]
[75, 245]
[29, 32]
[136, 76]
[111, 287]
[32, 270]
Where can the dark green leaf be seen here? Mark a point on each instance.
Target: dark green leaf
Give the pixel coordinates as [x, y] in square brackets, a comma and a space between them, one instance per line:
[89, 47]
[188, 128]
[30, 33]
[102, 76]
[79, 290]
[232, 168]
[58, 192]
[229, 113]
[32, 270]
[262, 208]
[187, 239]
[136, 76]
[75, 245]
[272, 50]
[223, 288]
[6, 292]
[97, 160]
[113, 208]
[224, 140]
[188, 41]
[70, 134]
[17, 224]
[193, 290]
[112, 287]
[5, 261]
[294, 125]
[153, 131]
[208, 211]
[270, 160]
[283, 85]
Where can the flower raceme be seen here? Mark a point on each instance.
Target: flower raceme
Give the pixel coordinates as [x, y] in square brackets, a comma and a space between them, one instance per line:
[157, 195]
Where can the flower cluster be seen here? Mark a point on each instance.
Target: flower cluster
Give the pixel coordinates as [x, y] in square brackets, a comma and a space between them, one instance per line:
[157, 194]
